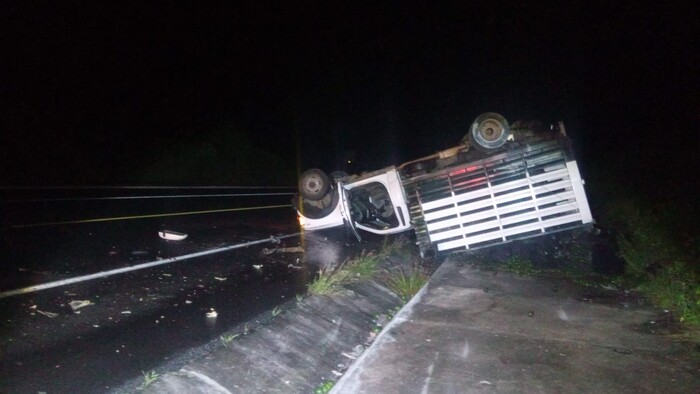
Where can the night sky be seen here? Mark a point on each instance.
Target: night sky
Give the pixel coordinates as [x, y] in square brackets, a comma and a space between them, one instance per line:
[94, 93]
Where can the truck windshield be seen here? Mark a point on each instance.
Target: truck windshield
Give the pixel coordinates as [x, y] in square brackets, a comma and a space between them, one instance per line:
[371, 206]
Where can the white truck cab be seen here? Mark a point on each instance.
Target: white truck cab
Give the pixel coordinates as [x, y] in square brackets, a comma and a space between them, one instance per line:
[372, 202]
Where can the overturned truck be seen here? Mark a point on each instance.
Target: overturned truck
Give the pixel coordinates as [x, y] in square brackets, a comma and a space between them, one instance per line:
[501, 183]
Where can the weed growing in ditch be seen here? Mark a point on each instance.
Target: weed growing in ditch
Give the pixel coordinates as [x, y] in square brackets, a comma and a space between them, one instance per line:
[149, 378]
[226, 339]
[365, 266]
[324, 387]
[382, 319]
[277, 311]
[407, 284]
[329, 281]
[520, 266]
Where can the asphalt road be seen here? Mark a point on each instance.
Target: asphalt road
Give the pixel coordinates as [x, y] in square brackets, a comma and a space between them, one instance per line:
[142, 320]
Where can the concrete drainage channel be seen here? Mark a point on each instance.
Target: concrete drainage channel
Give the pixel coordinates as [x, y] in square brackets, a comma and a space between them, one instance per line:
[313, 342]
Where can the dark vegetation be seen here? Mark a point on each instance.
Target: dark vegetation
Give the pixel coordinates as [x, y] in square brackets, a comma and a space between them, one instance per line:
[649, 215]
[661, 250]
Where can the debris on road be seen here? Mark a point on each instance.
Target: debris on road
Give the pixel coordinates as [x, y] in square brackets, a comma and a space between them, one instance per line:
[77, 304]
[212, 313]
[50, 315]
[356, 352]
[293, 249]
[172, 235]
[219, 278]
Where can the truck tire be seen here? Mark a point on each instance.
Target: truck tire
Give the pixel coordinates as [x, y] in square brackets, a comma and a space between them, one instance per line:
[314, 184]
[316, 209]
[489, 131]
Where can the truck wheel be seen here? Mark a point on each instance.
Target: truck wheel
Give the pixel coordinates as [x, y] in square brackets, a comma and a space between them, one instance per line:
[489, 131]
[314, 184]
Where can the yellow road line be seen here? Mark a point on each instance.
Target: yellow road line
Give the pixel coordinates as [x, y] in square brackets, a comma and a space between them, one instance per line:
[157, 215]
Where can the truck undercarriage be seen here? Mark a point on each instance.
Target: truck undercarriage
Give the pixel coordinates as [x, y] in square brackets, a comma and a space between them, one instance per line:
[514, 185]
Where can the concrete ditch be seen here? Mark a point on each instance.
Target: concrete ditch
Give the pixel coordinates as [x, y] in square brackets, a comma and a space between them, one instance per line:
[314, 341]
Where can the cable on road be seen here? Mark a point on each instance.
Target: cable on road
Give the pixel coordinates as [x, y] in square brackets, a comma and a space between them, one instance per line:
[104, 274]
[157, 215]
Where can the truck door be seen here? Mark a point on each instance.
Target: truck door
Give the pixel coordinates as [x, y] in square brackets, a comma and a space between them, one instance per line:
[346, 210]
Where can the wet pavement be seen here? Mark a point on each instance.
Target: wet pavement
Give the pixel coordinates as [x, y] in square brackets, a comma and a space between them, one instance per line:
[142, 320]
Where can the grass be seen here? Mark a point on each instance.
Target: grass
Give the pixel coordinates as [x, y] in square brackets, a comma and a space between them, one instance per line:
[324, 387]
[675, 287]
[226, 339]
[520, 266]
[388, 315]
[149, 378]
[407, 284]
[277, 311]
[365, 266]
[659, 262]
[330, 280]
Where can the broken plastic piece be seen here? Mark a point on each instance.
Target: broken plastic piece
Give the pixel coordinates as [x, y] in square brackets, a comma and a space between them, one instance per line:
[212, 313]
[47, 314]
[172, 235]
[77, 304]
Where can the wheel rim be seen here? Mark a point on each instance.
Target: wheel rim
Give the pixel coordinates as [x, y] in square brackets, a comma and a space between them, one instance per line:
[491, 130]
[313, 184]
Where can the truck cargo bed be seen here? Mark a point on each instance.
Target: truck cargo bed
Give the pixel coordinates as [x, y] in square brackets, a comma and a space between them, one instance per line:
[523, 192]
